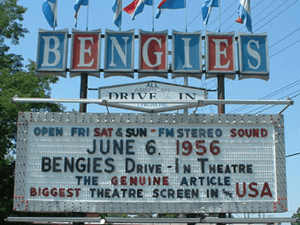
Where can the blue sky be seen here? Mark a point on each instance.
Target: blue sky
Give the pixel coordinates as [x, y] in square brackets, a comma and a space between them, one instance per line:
[279, 19]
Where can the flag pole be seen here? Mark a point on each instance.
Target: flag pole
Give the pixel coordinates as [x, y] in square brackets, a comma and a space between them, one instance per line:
[55, 14]
[87, 16]
[219, 16]
[185, 15]
[152, 16]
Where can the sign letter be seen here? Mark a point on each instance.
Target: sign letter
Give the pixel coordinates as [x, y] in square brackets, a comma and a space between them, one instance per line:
[254, 54]
[219, 53]
[48, 51]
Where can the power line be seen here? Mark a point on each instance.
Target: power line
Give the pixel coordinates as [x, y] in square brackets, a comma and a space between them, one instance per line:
[234, 2]
[194, 19]
[285, 48]
[292, 155]
[289, 86]
[284, 37]
[296, 95]
[262, 12]
[278, 14]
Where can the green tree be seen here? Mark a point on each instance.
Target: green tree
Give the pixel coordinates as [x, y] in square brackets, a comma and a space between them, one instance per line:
[15, 79]
[297, 215]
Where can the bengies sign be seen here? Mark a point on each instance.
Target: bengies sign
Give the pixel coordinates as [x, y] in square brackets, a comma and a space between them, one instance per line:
[158, 163]
[153, 54]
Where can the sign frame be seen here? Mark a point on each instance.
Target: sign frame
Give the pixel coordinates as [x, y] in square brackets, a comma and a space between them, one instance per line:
[196, 73]
[95, 54]
[209, 54]
[119, 71]
[160, 70]
[264, 70]
[278, 203]
[158, 91]
[63, 54]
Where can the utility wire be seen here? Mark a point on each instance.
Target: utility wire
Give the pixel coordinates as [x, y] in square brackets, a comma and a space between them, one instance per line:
[193, 20]
[292, 155]
[276, 16]
[262, 13]
[284, 38]
[285, 48]
[227, 19]
[261, 107]
[285, 88]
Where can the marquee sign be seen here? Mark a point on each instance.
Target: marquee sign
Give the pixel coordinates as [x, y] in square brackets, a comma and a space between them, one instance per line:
[150, 163]
[153, 54]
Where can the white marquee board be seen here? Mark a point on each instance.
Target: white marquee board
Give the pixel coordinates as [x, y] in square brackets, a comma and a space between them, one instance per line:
[150, 163]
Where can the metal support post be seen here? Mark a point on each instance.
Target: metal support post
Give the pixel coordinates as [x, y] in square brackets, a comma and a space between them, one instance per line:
[221, 110]
[221, 93]
[83, 92]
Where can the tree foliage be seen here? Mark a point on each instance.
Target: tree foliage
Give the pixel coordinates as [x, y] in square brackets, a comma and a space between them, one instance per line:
[11, 30]
[297, 215]
[15, 80]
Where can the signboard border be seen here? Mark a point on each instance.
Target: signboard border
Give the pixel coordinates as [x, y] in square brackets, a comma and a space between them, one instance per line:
[50, 71]
[276, 120]
[154, 72]
[108, 72]
[92, 72]
[207, 53]
[181, 72]
[244, 74]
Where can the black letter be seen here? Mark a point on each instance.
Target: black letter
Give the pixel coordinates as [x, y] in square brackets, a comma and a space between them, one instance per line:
[126, 165]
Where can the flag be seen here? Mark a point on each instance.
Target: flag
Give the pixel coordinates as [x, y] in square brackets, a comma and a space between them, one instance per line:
[245, 14]
[117, 9]
[136, 7]
[206, 9]
[50, 12]
[170, 4]
[77, 6]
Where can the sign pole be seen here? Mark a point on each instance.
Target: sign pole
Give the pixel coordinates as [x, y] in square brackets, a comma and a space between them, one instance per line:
[83, 92]
[221, 96]
[221, 93]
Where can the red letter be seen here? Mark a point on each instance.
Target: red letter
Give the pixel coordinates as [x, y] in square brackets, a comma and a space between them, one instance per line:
[77, 191]
[54, 192]
[70, 192]
[96, 131]
[266, 191]
[237, 186]
[233, 134]
[114, 181]
[253, 189]
[264, 133]
[165, 180]
[123, 180]
[61, 192]
[33, 192]
[45, 192]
